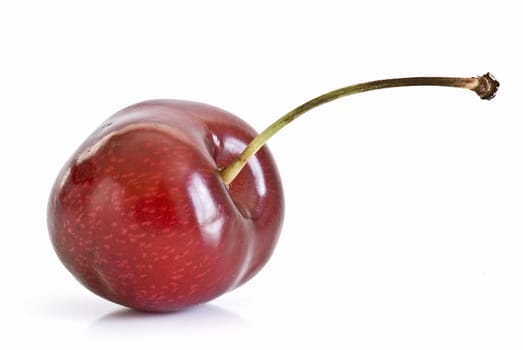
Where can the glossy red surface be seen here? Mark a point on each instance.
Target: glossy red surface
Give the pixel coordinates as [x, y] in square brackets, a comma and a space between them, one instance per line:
[140, 215]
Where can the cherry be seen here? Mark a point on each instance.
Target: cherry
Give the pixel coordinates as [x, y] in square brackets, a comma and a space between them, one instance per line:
[172, 203]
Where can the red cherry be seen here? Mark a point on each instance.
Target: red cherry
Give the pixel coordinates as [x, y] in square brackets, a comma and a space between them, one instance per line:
[141, 216]
[173, 203]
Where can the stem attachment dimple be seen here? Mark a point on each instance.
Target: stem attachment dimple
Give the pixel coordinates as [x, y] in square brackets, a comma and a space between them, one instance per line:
[485, 86]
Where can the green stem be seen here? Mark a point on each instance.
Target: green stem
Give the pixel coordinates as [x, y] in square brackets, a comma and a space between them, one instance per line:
[485, 86]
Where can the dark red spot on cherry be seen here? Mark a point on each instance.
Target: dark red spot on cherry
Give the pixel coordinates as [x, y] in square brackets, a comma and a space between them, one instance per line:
[83, 172]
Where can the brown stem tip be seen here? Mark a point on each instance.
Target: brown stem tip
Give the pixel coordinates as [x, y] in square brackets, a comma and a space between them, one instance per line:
[487, 87]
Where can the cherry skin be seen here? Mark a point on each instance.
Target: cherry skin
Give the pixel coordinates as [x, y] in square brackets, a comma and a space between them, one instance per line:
[140, 215]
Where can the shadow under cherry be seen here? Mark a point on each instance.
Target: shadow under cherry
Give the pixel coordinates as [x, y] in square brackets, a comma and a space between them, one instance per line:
[208, 318]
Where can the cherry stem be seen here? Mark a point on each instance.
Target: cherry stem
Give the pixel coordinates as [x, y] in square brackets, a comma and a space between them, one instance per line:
[485, 86]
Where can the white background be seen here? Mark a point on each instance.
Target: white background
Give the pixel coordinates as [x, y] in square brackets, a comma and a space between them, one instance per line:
[404, 208]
